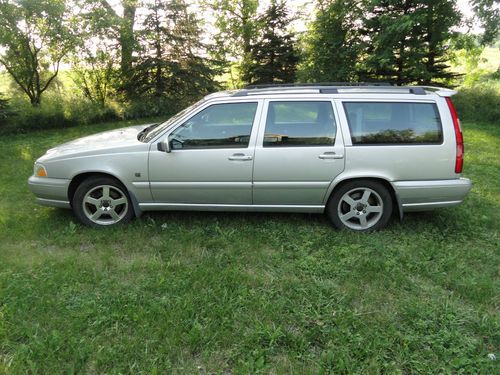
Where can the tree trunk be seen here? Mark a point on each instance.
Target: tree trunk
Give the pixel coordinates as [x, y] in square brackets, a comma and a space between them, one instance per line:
[127, 39]
[35, 100]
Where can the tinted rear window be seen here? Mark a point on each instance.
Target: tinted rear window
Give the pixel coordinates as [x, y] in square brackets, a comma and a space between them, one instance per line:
[393, 123]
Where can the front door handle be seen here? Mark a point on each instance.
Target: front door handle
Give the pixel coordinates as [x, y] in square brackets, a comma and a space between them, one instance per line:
[330, 155]
[241, 157]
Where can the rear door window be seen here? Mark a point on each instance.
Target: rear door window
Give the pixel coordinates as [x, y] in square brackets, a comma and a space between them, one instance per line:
[393, 123]
[300, 124]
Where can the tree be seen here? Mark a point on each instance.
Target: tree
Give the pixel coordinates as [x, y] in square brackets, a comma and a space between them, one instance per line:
[273, 57]
[332, 45]
[94, 74]
[488, 13]
[407, 41]
[439, 17]
[95, 61]
[124, 25]
[169, 63]
[237, 24]
[37, 35]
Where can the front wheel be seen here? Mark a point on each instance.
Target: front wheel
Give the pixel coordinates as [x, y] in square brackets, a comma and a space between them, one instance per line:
[102, 201]
[360, 205]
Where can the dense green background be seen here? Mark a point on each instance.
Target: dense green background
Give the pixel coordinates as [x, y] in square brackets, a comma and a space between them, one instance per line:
[246, 293]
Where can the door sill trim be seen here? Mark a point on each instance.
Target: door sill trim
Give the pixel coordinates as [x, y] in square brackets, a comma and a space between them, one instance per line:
[230, 207]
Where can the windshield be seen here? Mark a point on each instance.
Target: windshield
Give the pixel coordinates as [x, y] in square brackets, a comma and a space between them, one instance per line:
[155, 130]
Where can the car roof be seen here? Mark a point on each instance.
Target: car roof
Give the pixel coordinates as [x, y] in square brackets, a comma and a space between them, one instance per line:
[335, 90]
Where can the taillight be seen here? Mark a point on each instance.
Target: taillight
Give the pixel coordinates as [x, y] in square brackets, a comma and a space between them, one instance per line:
[459, 161]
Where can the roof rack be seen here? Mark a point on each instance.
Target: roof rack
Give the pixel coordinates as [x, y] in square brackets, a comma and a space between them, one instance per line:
[345, 88]
[320, 84]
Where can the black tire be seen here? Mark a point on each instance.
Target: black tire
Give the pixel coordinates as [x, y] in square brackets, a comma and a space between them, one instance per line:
[360, 205]
[109, 210]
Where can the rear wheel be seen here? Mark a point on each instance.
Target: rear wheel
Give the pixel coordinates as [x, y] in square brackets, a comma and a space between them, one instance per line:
[102, 201]
[360, 205]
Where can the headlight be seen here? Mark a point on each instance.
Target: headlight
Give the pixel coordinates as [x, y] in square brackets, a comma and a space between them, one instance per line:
[39, 170]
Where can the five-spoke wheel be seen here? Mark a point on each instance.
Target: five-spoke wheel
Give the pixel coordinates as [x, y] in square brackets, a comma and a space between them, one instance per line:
[360, 205]
[102, 201]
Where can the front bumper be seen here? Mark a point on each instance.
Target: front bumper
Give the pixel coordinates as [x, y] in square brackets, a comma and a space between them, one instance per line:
[50, 191]
[427, 195]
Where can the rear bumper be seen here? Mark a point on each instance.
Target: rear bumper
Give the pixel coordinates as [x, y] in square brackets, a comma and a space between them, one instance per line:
[428, 195]
[50, 191]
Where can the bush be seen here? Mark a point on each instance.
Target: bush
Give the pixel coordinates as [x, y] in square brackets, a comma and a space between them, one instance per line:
[57, 112]
[480, 102]
[140, 108]
[5, 111]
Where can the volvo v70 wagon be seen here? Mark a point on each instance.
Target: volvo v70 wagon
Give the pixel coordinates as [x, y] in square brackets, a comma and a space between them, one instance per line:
[357, 153]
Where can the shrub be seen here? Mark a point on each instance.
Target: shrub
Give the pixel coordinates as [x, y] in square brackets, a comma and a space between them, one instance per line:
[480, 102]
[57, 112]
[5, 111]
[140, 108]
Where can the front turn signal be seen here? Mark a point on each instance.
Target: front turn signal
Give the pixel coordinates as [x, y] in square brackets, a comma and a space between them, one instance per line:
[40, 171]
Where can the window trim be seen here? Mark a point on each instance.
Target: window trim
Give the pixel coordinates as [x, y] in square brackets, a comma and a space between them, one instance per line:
[265, 111]
[252, 135]
[435, 104]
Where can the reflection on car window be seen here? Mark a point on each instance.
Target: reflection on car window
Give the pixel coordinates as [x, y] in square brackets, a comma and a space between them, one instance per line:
[299, 124]
[218, 126]
[393, 123]
[164, 125]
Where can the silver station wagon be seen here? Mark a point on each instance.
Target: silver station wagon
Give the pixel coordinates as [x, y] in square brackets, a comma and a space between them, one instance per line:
[357, 153]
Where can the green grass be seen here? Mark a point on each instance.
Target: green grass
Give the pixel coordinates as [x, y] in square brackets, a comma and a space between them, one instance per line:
[248, 293]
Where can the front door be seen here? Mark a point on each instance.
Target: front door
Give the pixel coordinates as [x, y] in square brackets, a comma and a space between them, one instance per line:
[299, 152]
[211, 160]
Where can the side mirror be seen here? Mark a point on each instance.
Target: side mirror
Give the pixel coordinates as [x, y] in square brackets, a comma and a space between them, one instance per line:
[164, 146]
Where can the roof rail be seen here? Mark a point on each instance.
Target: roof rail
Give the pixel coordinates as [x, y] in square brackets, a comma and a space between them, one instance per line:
[300, 85]
[335, 89]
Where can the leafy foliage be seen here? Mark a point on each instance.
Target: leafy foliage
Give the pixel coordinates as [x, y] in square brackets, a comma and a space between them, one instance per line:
[56, 112]
[407, 41]
[332, 47]
[479, 102]
[37, 35]
[95, 79]
[273, 58]
[5, 110]
[169, 65]
[488, 13]
[119, 26]
[95, 61]
[237, 22]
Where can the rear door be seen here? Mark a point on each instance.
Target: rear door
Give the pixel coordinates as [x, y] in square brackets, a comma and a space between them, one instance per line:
[299, 151]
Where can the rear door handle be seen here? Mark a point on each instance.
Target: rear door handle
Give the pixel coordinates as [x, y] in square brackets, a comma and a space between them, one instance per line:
[330, 155]
[241, 157]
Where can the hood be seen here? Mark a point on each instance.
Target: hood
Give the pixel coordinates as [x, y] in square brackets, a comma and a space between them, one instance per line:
[105, 142]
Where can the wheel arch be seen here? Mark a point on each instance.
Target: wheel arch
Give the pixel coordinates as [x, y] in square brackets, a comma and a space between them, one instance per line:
[336, 184]
[80, 177]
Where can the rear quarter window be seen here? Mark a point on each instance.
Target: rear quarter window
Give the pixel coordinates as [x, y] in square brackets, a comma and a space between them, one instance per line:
[373, 123]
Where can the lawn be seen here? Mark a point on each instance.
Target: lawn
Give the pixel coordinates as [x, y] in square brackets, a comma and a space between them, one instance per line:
[248, 293]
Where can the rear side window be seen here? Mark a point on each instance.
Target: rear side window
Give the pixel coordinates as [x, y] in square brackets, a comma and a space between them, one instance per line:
[393, 123]
[300, 124]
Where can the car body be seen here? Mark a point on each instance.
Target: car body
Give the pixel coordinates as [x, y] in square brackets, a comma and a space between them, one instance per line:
[279, 149]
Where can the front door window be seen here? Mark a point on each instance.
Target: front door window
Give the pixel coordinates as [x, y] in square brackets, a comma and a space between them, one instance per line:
[218, 126]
